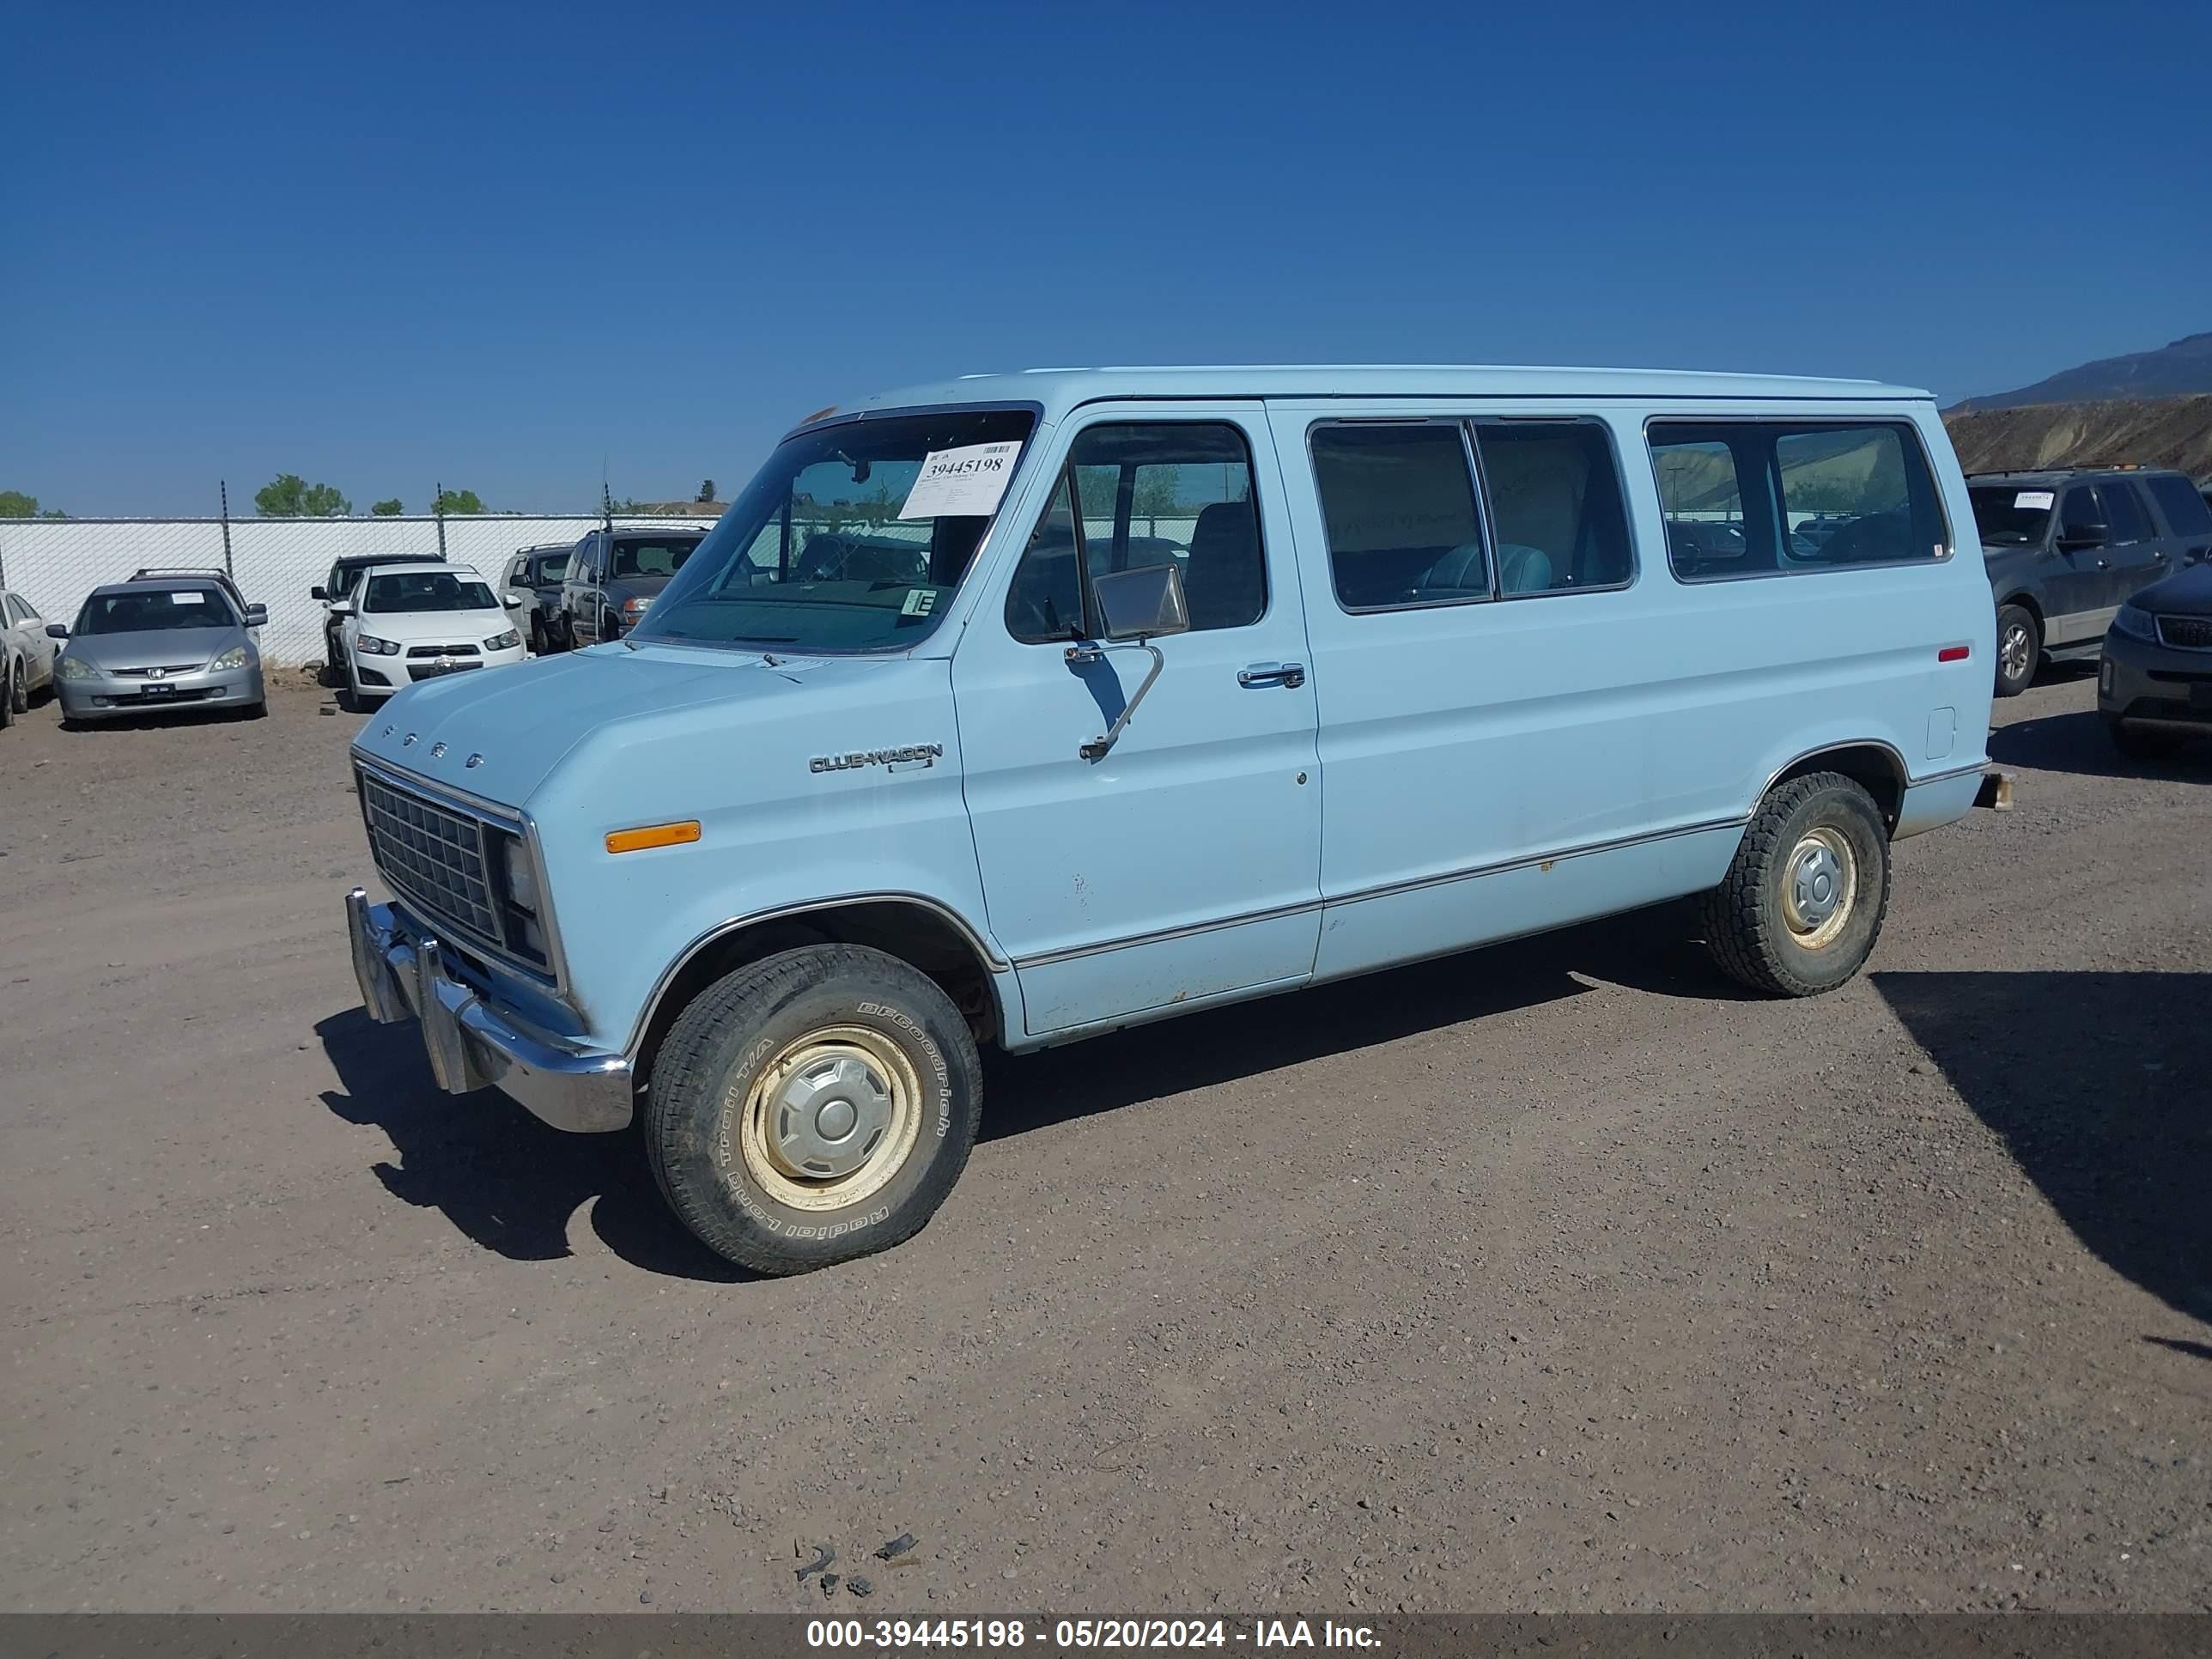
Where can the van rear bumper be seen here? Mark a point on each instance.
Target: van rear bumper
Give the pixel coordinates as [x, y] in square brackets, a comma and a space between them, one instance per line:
[1934, 802]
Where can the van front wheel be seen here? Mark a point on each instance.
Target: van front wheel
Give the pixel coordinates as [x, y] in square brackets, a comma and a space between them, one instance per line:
[1804, 898]
[813, 1106]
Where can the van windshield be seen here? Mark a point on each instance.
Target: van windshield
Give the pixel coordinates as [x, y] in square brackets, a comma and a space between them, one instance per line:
[840, 544]
[2008, 516]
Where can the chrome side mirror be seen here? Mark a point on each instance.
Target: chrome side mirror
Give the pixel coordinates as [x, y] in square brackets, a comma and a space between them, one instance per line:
[1134, 606]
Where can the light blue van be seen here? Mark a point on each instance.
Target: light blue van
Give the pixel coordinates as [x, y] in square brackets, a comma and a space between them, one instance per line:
[1038, 705]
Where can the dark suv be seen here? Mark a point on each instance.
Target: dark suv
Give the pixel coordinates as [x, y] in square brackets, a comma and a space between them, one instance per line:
[612, 579]
[2066, 548]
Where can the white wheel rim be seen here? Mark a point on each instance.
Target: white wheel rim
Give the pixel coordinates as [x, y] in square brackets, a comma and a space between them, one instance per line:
[832, 1119]
[1819, 887]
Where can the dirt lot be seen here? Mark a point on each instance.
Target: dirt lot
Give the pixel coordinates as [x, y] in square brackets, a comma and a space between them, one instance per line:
[1557, 1276]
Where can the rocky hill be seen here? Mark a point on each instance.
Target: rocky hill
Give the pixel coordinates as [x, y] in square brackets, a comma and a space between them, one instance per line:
[2181, 369]
[2173, 432]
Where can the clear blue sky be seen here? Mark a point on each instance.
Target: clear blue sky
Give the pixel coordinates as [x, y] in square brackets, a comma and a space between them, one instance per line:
[379, 246]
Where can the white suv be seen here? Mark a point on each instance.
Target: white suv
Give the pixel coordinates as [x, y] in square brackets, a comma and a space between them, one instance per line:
[404, 623]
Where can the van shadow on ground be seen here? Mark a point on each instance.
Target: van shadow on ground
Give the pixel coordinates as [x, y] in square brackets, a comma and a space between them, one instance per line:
[2097, 1084]
[512, 1184]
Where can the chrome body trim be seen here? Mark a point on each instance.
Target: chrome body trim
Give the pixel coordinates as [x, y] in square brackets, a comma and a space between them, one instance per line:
[1905, 778]
[987, 953]
[472, 1043]
[1387, 890]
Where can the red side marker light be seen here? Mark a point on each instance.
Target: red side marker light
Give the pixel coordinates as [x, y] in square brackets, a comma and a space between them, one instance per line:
[1952, 653]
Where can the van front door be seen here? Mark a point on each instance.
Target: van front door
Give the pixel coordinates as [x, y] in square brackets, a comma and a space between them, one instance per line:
[1184, 864]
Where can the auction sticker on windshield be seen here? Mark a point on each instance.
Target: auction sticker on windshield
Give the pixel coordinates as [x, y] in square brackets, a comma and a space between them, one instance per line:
[961, 483]
[2035, 499]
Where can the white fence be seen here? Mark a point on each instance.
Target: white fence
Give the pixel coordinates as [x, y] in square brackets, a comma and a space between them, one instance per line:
[55, 563]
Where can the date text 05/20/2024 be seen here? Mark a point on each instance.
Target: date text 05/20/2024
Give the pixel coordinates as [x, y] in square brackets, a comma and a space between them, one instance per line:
[895, 1635]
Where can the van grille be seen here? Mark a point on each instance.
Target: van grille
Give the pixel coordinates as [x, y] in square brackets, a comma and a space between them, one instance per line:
[2188, 633]
[433, 856]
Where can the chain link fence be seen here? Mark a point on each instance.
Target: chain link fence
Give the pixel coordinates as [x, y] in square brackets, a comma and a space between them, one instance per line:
[55, 563]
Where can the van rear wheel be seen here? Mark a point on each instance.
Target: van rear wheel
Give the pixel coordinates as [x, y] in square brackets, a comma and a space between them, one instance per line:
[1803, 901]
[813, 1106]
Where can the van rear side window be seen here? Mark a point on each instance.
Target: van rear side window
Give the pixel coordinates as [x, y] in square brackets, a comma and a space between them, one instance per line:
[1555, 501]
[1770, 498]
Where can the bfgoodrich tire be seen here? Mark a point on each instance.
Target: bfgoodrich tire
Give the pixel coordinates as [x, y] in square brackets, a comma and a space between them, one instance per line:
[2019, 649]
[813, 1106]
[1804, 898]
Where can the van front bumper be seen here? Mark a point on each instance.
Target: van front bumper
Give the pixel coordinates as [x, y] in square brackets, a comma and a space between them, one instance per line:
[472, 1044]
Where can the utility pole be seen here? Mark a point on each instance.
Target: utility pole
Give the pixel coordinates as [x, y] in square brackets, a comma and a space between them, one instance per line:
[438, 507]
[223, 484]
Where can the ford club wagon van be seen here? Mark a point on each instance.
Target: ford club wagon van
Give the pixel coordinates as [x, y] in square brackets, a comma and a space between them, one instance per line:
[1038, 705]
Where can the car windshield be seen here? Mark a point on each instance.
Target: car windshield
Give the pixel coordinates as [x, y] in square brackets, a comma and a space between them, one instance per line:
[426, 590]
[148, 610]
[647, 556]
[2009, 516]
[840, 544]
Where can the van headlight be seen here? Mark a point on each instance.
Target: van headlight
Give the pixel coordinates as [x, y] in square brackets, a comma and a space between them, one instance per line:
[521, 879]
[2136, 622]
[505, 641]
[233, 658]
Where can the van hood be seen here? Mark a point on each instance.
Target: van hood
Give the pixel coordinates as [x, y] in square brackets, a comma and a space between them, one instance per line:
[498, 733]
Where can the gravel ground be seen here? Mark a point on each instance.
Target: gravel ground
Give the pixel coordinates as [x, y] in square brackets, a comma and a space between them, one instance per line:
[1561, 1276]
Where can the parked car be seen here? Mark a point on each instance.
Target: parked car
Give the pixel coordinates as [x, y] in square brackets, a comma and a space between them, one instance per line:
[2154, 685]
[533, 575]
[1427, 672]
[215, 573]
[26, 656]
[160, 642]
[613, 579]
[2066, 548]
[404, 623]
[337, 589]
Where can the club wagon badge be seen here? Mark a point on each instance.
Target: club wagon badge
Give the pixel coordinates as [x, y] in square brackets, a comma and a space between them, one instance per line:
[914, 755]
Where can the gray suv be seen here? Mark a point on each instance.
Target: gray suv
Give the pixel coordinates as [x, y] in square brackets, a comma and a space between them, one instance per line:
[613, 578]
[2067, 548]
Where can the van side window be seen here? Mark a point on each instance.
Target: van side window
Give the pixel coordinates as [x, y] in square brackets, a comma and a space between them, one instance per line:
[2123, 512]
[1147, 493]
[1045, 601]
[1765, 498]
[1398, 503]
[1555, 504]
[2186, 511]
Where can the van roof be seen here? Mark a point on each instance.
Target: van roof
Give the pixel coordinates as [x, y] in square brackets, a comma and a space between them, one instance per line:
[1059, 390]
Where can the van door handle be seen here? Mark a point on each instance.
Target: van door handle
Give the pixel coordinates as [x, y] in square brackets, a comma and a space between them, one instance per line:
[1289, 674]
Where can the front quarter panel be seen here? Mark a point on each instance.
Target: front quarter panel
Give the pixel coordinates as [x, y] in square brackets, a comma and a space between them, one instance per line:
[774, 832]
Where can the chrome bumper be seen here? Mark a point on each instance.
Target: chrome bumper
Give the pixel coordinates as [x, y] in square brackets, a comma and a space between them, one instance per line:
[471, 1044]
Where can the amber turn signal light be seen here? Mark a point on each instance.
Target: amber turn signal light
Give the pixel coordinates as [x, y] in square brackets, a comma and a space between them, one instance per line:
[653, 834]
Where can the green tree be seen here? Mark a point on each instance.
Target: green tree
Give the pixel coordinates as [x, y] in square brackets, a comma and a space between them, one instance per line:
[1155, 495]
[15, 504]
[288, 496]
[387, 508]
[451, 501]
